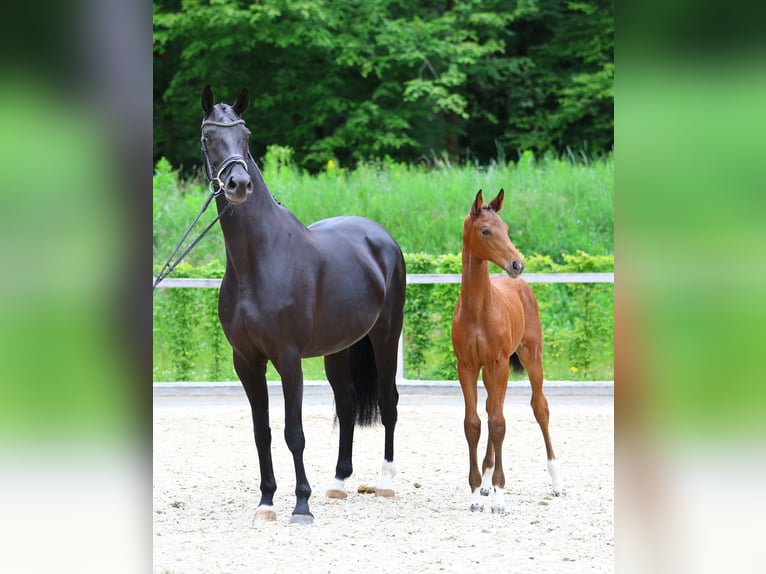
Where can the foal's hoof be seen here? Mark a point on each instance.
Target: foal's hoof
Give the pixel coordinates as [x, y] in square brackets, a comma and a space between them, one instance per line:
[476, 507]
[385, 493]
[497, 509]
[301, 519]
[336, 494]
[265, 513]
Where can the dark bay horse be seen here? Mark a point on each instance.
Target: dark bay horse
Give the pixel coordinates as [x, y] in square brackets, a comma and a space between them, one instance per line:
[334, 289]
[496, 324]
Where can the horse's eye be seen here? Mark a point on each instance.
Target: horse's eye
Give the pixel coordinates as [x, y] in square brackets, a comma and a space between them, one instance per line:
[485, 231]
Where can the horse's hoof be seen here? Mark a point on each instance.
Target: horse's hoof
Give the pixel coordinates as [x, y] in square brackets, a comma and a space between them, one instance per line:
[301, 519]
[385, 493]
[336, 494]
[266, 514]
[560, 492]
[498, 509]
[476, 507]
[484, 492]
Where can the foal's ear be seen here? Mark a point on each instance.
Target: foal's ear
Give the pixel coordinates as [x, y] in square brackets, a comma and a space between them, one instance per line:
[477, 203]
[497, 203]
[243, 100]
[207, 100]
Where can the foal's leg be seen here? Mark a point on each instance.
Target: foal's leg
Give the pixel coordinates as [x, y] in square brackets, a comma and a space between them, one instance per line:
[496, 381]
[289, 367]
[336, 369]
[530, 355]
[469, 375]
[253, 377]
[487, 465]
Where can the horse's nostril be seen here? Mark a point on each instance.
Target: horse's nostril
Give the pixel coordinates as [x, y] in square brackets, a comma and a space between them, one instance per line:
[232, 184]
[518, 266]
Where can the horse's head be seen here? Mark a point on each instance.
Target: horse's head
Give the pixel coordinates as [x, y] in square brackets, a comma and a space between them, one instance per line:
[225, 146]
[486, 235]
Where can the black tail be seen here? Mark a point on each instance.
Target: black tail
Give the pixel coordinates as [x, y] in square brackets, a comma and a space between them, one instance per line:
[516, 364]
[364, 375]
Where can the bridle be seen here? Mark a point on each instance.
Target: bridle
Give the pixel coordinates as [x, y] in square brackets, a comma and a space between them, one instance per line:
[216, 187]
[232, 159]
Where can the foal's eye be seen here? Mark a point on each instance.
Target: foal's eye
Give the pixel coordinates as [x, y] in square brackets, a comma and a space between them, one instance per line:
[485, 231]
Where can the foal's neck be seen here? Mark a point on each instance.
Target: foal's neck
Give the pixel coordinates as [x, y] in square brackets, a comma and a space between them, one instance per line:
[475, 285]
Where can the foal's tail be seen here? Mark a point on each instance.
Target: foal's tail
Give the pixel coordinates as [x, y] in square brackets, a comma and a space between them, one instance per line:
[516, 364]
[364, 375]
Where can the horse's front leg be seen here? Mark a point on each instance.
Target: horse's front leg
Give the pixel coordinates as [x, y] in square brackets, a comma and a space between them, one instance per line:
[469, 376]
[496, 382]
[253, 376]
[289, 367]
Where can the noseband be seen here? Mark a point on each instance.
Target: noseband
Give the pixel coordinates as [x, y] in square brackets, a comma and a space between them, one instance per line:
[216, 185]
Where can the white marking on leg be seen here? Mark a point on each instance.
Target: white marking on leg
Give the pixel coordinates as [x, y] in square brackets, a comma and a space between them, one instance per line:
[477, 501]
[498, 500]
[385, 486]
[553, 470]
[486, 481]
[336, 488]
[265, 512]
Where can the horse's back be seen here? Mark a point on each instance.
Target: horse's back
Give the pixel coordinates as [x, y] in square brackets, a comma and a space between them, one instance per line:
[339, 238]
[352, 227]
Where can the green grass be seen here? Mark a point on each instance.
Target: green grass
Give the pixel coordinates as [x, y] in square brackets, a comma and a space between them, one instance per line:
[552, 206]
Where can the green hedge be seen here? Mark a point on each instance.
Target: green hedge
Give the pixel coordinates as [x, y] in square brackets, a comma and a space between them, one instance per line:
[577, 321]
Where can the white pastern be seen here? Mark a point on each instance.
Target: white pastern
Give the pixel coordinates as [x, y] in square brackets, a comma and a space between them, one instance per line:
[498, 500]
[477, 501]
[553, 470]
[336, 488]
[265, 512]
[385, 485]
[486, 481]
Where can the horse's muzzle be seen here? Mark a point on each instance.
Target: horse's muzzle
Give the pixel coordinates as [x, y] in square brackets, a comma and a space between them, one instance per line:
[515, 268]
[237, 188]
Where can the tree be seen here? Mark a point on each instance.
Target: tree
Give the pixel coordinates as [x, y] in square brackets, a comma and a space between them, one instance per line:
[352, 80]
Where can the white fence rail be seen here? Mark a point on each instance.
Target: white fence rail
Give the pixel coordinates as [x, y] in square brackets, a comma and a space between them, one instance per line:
[417, 278]
[420, 278]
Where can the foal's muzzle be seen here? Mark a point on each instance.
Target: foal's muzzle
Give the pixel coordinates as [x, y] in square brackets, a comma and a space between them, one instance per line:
[515, 268]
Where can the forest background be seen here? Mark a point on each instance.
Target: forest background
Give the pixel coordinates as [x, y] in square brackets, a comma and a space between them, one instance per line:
[354, 80]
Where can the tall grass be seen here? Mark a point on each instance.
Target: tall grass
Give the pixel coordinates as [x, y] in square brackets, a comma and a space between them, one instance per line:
[552, 205]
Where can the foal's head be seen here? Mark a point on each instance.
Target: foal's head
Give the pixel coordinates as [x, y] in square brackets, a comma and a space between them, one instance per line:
[486, 235]
[225, 146]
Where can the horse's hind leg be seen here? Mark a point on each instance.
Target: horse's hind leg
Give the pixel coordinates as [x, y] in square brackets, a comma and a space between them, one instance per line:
[253, 377]
[530, 355]
[385, 343]
[336, 369]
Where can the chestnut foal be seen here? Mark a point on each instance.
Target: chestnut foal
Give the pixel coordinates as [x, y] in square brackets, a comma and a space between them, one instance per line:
[496, 324]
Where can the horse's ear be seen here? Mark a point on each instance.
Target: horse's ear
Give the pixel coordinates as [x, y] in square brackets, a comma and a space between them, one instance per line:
[207, 100]
[497, 203]
[243, 100]
[477, 203]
